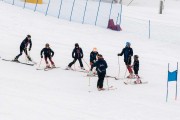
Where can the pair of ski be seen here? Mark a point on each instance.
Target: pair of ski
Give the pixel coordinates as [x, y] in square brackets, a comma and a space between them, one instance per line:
[30, 64]
[75, 70]
[133, 83]
[47, 69]
[107, 76]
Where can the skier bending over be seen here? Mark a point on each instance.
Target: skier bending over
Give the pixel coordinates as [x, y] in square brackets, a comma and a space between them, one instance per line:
[101, 67]
[128, 52]
[93, 56]
[48, 54]
[23, 47]
[77, 54]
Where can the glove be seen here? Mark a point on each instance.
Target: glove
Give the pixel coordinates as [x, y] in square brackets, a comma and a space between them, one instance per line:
[41, 56]
[118, 54]
[29, 49]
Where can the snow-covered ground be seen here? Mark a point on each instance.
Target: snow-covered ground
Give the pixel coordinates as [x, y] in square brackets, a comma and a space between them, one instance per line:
[28, 94]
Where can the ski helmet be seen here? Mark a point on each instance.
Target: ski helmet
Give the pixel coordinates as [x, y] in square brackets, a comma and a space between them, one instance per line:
[28, 36]
[128, 44]
[47, 45]
[136, 56]
[99, 56]
[76, 45]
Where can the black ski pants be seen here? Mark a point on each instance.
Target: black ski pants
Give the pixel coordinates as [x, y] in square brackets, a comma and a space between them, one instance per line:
[101, 77]
[21, 51]
[75, 59]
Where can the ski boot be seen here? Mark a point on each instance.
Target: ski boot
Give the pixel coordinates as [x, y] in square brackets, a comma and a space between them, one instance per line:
[68, 68]
[138, 81]
[48, 66]
[53, 66]
[15, 59]
[29, 58]
[82, 68]
[130, 76]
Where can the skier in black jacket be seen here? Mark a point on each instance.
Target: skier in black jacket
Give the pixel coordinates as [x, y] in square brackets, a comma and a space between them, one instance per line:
[101, 67]
[93, 56]
[77, 54]
[136, 69]
[23, 47]
[128, 53]
[48, 54]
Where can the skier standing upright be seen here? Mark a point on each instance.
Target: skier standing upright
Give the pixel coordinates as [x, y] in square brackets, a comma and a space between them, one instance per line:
[48, 54]
[77, 54]
[128, 53]
[23, 47]
[101, 67]
[136, 69]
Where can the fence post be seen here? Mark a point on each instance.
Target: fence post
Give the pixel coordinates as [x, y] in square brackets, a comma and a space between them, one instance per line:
[98, 11]
[72, 9]
[13, 2]
[36, 5]
[161, 7]
[149, 29]
[24, 4]
[60, 9]
[120, 14]
[47, 7]
[110, 9]
[84, 11]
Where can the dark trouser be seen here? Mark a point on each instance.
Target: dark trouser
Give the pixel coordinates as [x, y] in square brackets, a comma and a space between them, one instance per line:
[136, 71]
[101, 77]
[91, 63]
[128, 61]
[80, 62]
[21, 51]
[50, 59]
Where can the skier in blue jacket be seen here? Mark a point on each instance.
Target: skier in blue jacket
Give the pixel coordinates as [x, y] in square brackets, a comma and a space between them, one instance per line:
[128, 53]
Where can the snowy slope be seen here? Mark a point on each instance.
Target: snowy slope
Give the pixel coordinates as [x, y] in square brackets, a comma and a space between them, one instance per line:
[28, 94]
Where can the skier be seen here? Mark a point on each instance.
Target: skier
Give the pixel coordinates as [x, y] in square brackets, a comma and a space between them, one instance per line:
[93, 56]
[23, 47]
[101, 67]
[77, 54]
[128, 53]
[48, 54]
[136, 69]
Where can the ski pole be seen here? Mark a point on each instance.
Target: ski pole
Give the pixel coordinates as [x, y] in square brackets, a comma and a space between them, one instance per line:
[125, 73]
[119, 67]
[86, 63]
[40, 63]
[107, 82]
